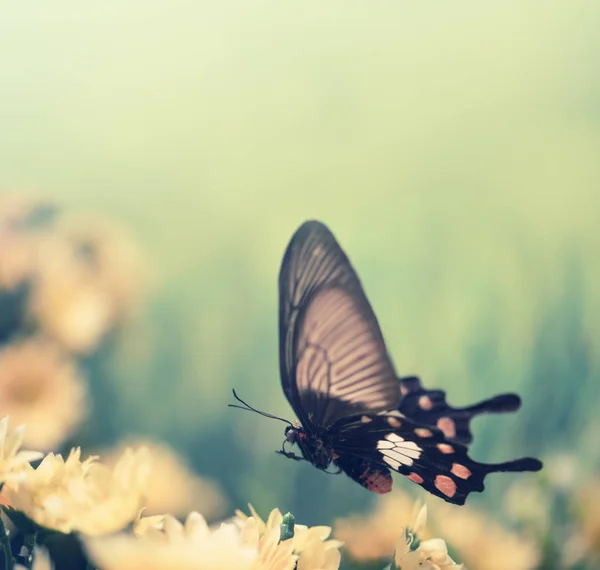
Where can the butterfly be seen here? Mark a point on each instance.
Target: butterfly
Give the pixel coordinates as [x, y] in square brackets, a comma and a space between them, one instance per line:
[353, 410]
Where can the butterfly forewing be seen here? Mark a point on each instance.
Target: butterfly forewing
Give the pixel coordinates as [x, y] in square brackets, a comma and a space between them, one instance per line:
[333, 359]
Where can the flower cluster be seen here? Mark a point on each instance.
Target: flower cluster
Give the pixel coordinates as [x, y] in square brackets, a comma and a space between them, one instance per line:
[64, 287]
[310, 545]
[97, 502]
[80, 496]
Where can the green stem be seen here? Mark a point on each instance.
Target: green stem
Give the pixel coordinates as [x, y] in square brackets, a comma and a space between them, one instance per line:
[9, 561]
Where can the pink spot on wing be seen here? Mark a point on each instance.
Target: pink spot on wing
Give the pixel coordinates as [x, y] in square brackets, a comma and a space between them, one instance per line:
[423, 432]
[393, 422]
[416, 478]
[445, 448]
[447, 426]
[403, 390]
[425, 403]
[460, 471]
[445, 485]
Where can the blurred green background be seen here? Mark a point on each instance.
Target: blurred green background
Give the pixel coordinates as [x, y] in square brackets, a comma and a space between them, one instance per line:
[451, 147]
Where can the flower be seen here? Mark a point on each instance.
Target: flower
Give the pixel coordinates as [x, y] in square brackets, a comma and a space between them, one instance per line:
[86, 279]
[587, 507]
[414, 554]
[17, 260]
[40, 387]
[17, 263]
[481, 543]
[167, 543]
[12, 460]
[374, 537]
[172, 487]
[87, 497]
[311, 544]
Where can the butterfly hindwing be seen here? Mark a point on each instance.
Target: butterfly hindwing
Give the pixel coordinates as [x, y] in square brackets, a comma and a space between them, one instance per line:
[429, 407]
[422, 454]
[371, 475]
[333, 359]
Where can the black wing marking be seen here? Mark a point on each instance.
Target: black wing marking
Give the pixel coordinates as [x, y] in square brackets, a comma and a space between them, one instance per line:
[423, 454]
[429, 407]
[333, 358]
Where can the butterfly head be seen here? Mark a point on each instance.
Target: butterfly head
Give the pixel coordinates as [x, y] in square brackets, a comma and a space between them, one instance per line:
[291, 434]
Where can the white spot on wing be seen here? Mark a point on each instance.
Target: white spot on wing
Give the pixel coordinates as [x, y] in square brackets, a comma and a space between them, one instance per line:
[392, 463]
[397, 456]
[398, 450]
[393, 437]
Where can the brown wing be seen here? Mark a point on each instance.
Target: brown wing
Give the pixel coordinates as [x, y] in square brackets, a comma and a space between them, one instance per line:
[333, 359]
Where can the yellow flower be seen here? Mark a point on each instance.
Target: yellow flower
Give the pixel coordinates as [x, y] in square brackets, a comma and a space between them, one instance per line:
[166, 543]
[40, 387]
[311, 544]
[412, 553]
[17, 261]
[86, 497]
[85, 283]
[482, 543]
[17, 241]
[12, 460]
[587, 506]
[172, 487]
[374, 537]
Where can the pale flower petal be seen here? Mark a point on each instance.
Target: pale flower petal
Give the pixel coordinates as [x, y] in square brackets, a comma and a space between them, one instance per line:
[86, 497]
[13, 462]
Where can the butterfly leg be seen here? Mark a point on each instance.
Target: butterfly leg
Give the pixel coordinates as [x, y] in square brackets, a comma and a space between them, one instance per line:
[290, 455]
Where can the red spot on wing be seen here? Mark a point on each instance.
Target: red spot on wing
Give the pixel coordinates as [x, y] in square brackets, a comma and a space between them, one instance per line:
[377, 481]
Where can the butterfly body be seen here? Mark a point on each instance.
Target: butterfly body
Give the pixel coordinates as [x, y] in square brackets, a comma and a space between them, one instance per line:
[353, 410]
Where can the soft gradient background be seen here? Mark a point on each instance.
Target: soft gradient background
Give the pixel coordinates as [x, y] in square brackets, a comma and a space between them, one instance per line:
[452, 147]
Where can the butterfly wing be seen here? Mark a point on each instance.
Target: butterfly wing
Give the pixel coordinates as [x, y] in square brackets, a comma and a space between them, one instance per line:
[333, 359]
[423, 454]
[429, 407]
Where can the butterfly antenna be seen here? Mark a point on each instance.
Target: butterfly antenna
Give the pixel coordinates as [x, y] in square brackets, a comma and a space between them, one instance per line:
[249, 408]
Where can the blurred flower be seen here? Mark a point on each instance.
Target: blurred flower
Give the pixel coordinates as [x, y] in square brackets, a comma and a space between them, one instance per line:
[587, 541]
[17, 259]
[87, 278]
[481, 543]
[172, 486]
[40, 387]
[526, 502]
[41, 561]
[311, 544]
[412, 553]
[87, 497]
[12, 460]
[17, 262]
[374, 537]
[16, 210]
[561, 471]
[193, 545]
